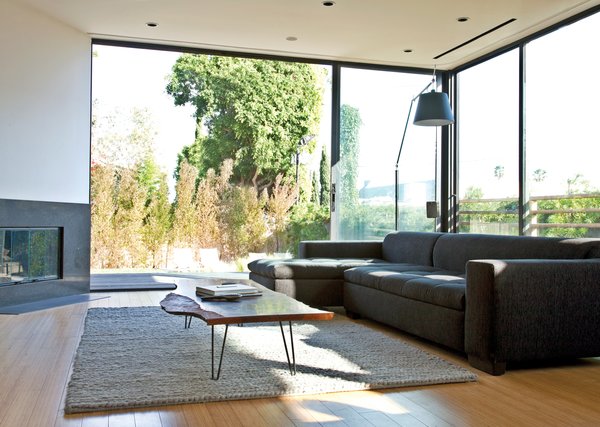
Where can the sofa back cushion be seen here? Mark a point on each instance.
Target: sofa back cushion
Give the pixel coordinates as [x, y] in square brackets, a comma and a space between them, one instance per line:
[452, 251]
[409, 247]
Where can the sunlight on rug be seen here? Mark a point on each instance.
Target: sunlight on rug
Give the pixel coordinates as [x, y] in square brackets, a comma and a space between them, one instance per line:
[141, 357]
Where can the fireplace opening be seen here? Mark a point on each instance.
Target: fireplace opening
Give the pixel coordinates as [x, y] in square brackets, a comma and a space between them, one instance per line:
[30, 254]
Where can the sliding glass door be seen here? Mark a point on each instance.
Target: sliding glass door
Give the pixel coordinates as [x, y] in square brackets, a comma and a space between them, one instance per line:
[488, 149]
[373, 109]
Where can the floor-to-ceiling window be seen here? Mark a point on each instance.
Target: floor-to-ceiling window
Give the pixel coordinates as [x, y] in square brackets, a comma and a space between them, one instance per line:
[558, 191]
[202, 162]
[562, 111]
[488, 150]
[373, 109]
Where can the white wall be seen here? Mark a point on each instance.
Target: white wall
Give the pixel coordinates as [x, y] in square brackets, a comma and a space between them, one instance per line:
[44, 107]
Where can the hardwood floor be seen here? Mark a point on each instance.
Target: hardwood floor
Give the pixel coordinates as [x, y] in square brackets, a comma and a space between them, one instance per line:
[37, 349]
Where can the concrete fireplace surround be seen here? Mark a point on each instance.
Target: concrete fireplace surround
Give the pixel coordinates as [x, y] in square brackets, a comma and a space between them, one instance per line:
[74, 220]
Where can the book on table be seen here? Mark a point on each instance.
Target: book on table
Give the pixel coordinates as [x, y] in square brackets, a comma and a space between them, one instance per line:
[227, 289]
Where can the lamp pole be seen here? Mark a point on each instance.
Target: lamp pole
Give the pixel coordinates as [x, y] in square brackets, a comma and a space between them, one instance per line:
[397, 174]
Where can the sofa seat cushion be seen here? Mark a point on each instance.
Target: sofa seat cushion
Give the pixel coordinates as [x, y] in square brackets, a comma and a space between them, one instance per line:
[309, 268]
[421, 283]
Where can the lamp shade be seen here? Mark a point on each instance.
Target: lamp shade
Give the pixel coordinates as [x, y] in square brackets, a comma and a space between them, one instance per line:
[433, 109]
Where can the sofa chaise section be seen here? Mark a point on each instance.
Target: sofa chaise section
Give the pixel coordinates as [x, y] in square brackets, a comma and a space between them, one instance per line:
[317, 276]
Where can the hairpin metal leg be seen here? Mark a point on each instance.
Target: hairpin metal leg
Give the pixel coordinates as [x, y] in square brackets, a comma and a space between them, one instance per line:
[212, 352]
[188, 321]
[292, 363]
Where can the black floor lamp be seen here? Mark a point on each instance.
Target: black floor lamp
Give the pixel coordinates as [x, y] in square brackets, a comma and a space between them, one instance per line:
[433, 109]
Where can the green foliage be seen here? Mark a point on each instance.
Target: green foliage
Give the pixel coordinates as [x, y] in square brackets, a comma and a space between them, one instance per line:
[102, 212]
[503, 213]
[242, 218]
[207, 210]
[308, 221]
[578, 216]
[254, 112]
[157, 223]
[350, 124]
[367, 222]
[315, 192]
[325, 179]
[279, 203]
[122, 139]
[128, 221]
[473, 193]
[185, 221]
[149, 176]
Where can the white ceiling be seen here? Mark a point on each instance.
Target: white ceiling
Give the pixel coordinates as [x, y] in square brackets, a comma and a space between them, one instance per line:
[371, 31]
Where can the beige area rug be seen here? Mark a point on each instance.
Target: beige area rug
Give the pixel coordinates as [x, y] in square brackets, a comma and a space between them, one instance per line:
[140, 357]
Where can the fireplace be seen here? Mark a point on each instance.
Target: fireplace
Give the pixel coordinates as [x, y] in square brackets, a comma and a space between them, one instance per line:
[44, 250]
[29, 254]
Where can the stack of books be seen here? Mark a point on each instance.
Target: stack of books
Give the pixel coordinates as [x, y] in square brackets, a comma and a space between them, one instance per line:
[227, 290]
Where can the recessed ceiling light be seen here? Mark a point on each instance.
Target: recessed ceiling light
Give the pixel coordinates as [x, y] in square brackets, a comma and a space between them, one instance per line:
[407, 50]
[462, 19]
[328, 3]
[291, 38]
[151, 24]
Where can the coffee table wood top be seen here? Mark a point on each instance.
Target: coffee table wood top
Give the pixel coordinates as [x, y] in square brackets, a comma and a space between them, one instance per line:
[269, 307]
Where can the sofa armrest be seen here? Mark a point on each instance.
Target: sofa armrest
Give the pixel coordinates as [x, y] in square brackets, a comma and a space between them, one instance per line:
[340, 249]
[532, 309]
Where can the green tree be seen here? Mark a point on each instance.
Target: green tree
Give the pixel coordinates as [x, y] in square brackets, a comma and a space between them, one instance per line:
[149, 175]
[157, 223]
[473, 193]
[102, 212]
[242, 219]
[184, 217]
[325, 179]
[282, 198]
[350, 124]
[128, 221]
[307, 222]
[207, 210]
[499, 172]
[254, 111]
[539, 175]
[315, 193]
[122, 139]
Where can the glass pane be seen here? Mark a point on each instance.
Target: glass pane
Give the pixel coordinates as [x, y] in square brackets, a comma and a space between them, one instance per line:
[44, 254]
[5, 248]
[374, 106]
[19, 269]
[563, 177]
[488, 146]
[29, 254]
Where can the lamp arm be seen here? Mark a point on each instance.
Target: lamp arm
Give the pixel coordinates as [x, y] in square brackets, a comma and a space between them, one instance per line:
[396, 176]
[412, 102]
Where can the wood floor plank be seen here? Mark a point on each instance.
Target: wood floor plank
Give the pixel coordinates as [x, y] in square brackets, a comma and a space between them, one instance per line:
[67, 421]
[198, 415]
[95, 421]
[295, 411]
[378, 419]
[173, 416]
[272, 413]
[247, 413]
[121, 419]
[148, 419]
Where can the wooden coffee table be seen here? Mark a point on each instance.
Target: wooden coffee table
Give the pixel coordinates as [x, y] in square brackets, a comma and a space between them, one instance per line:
[269, 307]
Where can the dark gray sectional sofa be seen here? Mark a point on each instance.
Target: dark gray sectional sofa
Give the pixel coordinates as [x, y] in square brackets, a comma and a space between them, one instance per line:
[499, 299]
